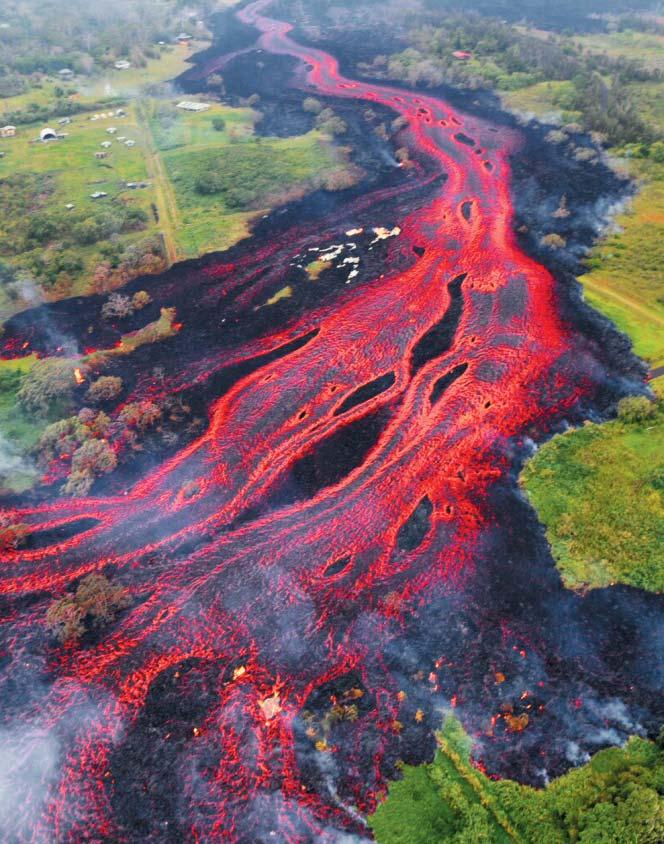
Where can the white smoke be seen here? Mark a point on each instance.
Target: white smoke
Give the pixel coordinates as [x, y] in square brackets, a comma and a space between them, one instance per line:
[12, 462]
[28, 769]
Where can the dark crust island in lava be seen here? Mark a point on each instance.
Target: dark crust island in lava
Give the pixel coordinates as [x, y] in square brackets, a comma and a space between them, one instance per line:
[356, 553]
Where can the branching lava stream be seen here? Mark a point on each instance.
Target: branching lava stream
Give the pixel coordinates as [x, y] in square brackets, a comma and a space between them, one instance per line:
[347, 505]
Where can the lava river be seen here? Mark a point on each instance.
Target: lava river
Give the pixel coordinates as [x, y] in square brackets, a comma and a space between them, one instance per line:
[346, 502]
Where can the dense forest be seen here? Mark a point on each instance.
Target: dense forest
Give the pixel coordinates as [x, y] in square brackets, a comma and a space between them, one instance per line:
[616, 797]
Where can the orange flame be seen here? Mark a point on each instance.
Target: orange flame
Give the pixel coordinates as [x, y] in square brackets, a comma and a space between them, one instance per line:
[78, 375]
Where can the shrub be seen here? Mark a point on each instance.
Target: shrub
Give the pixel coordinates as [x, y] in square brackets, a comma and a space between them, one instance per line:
[218, 124]
[98, 597]
[95, 456]
[140, 300]
[556, 136]
[104, 389]
[78, 484]
[312, 105]
[65, 620]
[62, 438]
[96, 601]
[342, 178]
[334, 126]
[636, 409]
[99, 426]
[554, 241]
[141, 415]
[117, 307]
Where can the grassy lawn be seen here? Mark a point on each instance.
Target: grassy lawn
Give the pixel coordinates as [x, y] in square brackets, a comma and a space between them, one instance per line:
[599, 491]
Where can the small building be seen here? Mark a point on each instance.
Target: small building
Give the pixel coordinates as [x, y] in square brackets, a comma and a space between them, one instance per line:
[111, 130]
[48, 134]
[7, 131]
[121, 139]
[70, 206]
[120, 112]
[130, 143]
[2, 155]
[66, 73]
[64, 121]
[105, 144]
[464, 55]
[190, 105]
[123, 64]
[101, 155]
[184, 37]
[98, 194]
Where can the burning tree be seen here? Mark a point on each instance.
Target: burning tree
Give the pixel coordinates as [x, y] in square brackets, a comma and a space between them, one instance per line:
[50, 382]
[12, 534]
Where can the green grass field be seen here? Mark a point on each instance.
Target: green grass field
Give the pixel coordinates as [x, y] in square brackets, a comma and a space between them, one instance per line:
[599, 491]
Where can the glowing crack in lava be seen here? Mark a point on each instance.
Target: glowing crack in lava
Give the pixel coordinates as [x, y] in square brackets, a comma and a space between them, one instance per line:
[342, 488]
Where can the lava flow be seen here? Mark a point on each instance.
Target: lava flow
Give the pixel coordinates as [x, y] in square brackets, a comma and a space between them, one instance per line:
[297, 623]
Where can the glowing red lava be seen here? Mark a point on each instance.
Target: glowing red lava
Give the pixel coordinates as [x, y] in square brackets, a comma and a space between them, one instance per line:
[266, 598]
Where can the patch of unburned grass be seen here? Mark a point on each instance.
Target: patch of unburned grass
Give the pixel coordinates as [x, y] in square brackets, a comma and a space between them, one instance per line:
[543, 99]
[599, 491]
[262, 171]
